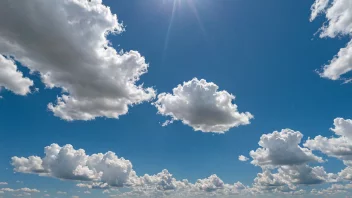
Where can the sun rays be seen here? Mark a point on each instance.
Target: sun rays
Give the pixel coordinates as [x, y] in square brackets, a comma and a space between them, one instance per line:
[175, 6]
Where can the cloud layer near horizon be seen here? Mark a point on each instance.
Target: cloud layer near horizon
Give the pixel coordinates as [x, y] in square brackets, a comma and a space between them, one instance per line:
[286, 168]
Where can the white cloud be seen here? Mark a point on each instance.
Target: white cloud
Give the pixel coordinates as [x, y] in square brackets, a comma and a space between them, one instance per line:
[28, 190]
[110, 173]
[162, 181]
[210, 184]
[288, 178]
[3, 183]
[339, 147]
[340, 64]
[333, 190]
[285, 164]
[65, 42]
[67, 163]
[12, 79]
[267, 181]
[339, 22]
[243, 158]
[282, 148]
[107, 171]
[338, 16]
[61, 193]
[94, 185]
[199, 104]
[318, 7]
[304, 174]
[164, 185]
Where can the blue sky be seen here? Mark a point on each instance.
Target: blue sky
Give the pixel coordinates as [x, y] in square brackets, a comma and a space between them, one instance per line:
[266, 53]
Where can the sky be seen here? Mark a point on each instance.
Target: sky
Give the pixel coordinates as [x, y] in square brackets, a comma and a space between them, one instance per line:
[175, 98]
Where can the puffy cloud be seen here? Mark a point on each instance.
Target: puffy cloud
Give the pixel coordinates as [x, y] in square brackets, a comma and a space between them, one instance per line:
[333, 190]
[339, 147]
[32, 164]
[243, 158]
[267, 181]
[7, 190]
[110, 173]
[287, 178]
[94, 185]
[162, 181]
[282, 148]
[202, 106]
[213, 186]
[338, 15]
[339, 22]
[12, 79]
[285, 164]
[107, 171]
[3, 183]
[67, 163]
[28, 190]
[340, 64]
[304, 174]
[65, 42]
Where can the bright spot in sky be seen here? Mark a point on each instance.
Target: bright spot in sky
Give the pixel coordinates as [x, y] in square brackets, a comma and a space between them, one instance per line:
[175, 6]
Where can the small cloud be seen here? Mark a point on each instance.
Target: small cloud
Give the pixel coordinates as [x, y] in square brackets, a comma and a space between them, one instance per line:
[243, 158]
[61, 192]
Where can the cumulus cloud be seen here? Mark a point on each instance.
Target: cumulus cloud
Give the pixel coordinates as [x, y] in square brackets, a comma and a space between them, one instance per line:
[243, 158]
[107, 171]
[285, 164]
[67, 163]
[340, 64]
[338, 16]
[202, 106]
[3, 183]
[110, 173]
[339, 22]
[288, 178]
[161, 181]
[304, 174]
[65, 42]
[28, 190]
[12, 79]
[339, 147]
[282, 148]
[334, 189]
[213, 186]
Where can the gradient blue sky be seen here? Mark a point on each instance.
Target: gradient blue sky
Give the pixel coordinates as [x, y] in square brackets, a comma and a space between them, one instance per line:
[263, 52]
